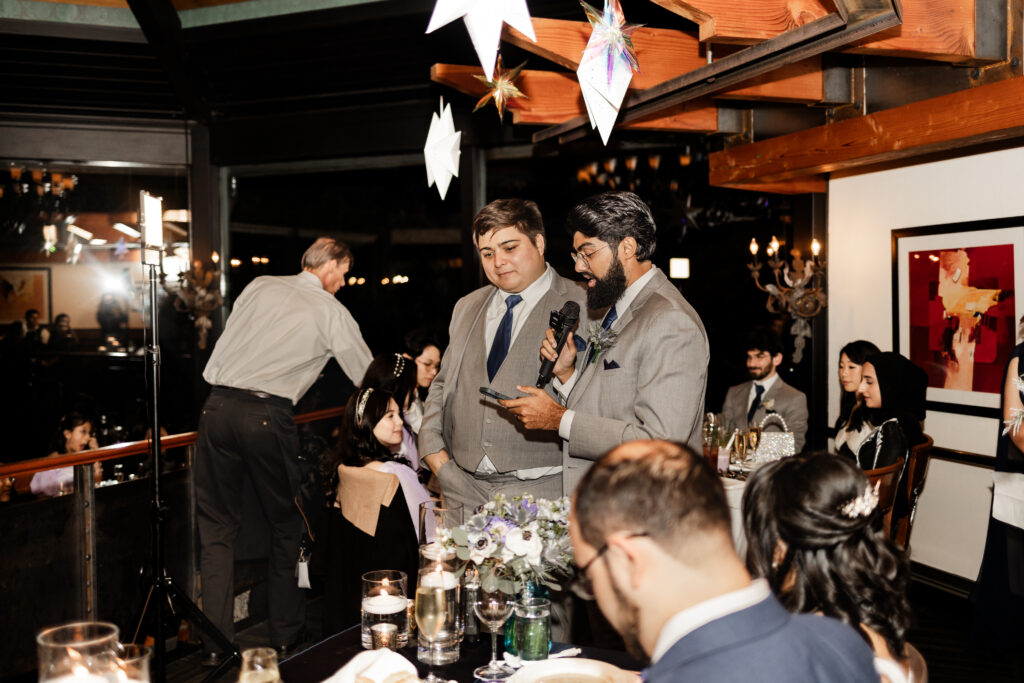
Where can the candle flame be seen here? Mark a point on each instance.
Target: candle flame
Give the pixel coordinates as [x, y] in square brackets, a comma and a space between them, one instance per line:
[385, 583]
[815, 247]
[753, 246]
[775, 244]
[383, 592]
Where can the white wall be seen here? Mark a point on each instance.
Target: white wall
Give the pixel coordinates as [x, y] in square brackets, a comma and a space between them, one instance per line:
[949, 532]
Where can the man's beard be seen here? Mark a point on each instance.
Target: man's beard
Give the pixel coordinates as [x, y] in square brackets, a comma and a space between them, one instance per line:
[629, 628]
[607, 290]
[759, 373]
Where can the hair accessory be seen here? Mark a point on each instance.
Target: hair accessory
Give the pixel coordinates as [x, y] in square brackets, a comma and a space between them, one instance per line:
[399, 364]
[361, 406]
[864, 504]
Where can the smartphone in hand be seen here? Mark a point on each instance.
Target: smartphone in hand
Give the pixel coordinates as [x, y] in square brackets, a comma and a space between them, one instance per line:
[487, 391]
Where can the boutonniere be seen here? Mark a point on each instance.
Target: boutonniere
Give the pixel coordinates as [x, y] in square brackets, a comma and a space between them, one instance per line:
[769, 405]
[600, 339]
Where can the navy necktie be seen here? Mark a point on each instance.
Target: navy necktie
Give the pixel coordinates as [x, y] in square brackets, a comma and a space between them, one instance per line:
[502, 338]
[756, 403]
[610, 317]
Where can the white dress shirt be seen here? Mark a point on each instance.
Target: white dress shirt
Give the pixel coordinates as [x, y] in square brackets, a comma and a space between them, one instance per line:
[281, 333]
[496, 309]
[689, 620]
[621, 306]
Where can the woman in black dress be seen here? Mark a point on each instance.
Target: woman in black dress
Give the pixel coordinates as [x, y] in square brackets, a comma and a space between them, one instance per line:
[852, 427]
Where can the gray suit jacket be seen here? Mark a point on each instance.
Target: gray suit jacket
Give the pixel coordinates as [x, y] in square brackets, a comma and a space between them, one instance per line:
[788, 402]
[649, 384]
[507, 441]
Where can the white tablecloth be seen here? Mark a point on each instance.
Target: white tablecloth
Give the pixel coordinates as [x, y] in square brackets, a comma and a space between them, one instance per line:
[734, 497]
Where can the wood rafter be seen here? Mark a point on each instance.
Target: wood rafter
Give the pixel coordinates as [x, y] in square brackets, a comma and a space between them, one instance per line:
[664, 54]
[745, 22]
[961, 119]
[554, 97]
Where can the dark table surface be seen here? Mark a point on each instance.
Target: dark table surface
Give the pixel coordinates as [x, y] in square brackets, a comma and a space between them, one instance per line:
[322, 660]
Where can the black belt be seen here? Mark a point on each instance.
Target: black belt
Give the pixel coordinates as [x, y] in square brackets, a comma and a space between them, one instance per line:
[250, 393]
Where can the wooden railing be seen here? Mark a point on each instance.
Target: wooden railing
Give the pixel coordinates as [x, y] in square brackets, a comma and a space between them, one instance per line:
[127, 448]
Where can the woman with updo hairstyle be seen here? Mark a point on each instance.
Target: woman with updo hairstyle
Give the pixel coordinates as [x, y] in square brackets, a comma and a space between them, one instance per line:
[852, 427]
[373, 499]
[814, 531]
[423, 347]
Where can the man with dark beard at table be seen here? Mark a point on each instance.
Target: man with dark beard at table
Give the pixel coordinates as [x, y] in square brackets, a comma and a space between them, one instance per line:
[651, 535]
[641, 371]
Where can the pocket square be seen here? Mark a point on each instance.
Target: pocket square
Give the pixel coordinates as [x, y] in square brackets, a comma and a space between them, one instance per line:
[580, 342]
[610, 365]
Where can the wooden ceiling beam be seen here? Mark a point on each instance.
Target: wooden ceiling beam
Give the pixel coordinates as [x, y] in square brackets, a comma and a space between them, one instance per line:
[955, 31]
[664, 54]
[555, 97]
[745, 22]
[962, 119]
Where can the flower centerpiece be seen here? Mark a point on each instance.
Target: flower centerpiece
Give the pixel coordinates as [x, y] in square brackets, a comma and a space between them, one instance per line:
[515, 541]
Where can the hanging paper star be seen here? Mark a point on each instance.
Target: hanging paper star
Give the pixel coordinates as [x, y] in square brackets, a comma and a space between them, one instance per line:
[607, 65]
[483, 19]
[611, 35]
[441, 151]
[503, 88]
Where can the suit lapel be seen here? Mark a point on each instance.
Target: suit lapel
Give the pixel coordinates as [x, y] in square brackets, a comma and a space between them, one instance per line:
[467, 339]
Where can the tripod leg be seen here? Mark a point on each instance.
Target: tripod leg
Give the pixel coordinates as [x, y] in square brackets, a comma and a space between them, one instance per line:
[177, 596]
[142, 613]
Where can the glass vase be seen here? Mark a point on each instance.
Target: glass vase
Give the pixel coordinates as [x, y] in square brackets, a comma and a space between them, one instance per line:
[531, 589]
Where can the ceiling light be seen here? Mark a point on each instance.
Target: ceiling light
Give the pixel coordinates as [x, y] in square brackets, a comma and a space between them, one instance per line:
[131, 232]
[177, 215]
[84, 234]
[97, 241]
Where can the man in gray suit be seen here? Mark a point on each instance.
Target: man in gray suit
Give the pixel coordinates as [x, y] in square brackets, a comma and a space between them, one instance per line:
[641, 371]
[476, 448]
[766, 393]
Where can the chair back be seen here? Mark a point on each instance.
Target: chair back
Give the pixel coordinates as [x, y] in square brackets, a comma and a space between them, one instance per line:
[917, 467]
[888, 476]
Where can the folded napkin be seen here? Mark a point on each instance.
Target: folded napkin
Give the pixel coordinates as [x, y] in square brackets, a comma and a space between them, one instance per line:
[515, 662]
[376, 666]
[361, 493]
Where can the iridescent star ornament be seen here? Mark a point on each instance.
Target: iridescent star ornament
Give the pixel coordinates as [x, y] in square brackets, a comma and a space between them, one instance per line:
[502, 87]
[612, 37]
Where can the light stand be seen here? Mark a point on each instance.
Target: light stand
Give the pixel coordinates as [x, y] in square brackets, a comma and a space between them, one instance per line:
[163, 588]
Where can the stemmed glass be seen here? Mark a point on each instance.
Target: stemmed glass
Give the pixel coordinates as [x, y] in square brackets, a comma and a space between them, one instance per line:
[739, 445]
[755, 439]
[435, 610]
[493, 608]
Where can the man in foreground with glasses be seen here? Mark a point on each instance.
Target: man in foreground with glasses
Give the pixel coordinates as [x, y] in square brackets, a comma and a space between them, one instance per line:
[642, 371]
[650, 529]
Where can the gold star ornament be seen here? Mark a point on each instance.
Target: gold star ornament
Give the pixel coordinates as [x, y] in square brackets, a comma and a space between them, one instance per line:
[502, 87]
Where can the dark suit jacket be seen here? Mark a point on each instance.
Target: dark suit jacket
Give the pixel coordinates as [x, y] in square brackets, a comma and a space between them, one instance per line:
[767, 643]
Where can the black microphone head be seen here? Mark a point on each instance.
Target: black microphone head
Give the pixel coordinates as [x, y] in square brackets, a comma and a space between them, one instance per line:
[570, 311]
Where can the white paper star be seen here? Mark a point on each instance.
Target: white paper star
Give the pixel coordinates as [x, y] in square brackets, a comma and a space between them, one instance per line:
[606, 68]
[483, 19]
[441, 151]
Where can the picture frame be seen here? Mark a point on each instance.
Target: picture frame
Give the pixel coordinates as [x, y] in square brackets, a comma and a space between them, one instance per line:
[23, 288]
[955, 308]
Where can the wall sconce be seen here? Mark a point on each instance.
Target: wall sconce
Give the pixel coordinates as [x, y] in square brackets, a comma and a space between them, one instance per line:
[799, 287]
[679, 268]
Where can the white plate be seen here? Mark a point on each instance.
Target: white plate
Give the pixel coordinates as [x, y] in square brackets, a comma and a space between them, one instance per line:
[602, 672]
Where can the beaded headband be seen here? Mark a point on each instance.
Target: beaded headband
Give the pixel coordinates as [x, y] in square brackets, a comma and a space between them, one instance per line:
[361, 406]
[399, 364]
[864, 504]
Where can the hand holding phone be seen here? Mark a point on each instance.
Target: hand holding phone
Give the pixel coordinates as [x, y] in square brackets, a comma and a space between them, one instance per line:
[487, 391]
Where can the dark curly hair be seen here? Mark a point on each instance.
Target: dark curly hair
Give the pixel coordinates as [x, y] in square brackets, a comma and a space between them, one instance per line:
[357, 445]
[851, 409]
[844, 567]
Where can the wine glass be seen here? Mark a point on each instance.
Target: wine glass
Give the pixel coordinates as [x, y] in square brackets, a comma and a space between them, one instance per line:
[493, 608]
[434, 611]
[739, 445]
[259, 665]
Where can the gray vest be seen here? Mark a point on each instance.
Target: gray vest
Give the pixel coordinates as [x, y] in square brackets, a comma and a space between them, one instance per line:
[482, 427]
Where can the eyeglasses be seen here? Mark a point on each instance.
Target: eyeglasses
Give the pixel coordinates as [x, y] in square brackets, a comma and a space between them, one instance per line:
[580, 257]
[582, 586]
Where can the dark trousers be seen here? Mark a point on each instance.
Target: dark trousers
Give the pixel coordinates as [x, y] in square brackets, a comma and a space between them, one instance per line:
[242, 435]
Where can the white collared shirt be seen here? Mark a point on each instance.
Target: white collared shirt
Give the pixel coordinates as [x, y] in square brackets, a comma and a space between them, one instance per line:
[621, 306]
[689, 620]
[767, 384]
[520, 312]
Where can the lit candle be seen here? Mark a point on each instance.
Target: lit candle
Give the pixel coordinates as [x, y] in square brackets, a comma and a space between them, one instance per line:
[384, 603]
[774, 245]
[815, 248]
[384, 635]
[753, 247]
[439, 579]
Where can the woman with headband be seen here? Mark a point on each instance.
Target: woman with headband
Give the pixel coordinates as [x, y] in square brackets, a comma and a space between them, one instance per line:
[373, 497]
[396, 374]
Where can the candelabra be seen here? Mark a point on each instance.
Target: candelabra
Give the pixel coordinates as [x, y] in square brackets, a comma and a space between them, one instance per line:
[799, 287]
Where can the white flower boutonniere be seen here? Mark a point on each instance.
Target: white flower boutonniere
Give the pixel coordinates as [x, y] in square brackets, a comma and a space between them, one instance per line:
[769, 405]
[600, 339]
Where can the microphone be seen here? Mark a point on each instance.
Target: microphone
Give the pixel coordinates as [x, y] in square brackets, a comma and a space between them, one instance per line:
[562, 323]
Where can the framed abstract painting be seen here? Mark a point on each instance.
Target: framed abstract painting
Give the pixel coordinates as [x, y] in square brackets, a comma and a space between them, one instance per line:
[22, 289]
[955, 308]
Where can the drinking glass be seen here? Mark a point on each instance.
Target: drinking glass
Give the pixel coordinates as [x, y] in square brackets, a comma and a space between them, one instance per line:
[754, 436]
[437, 597]
[739, 445]
[133, 662]
[259, 665]
[384, 602]
[493, 608]
[83, 652]
[437, 516]
[533, 628]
